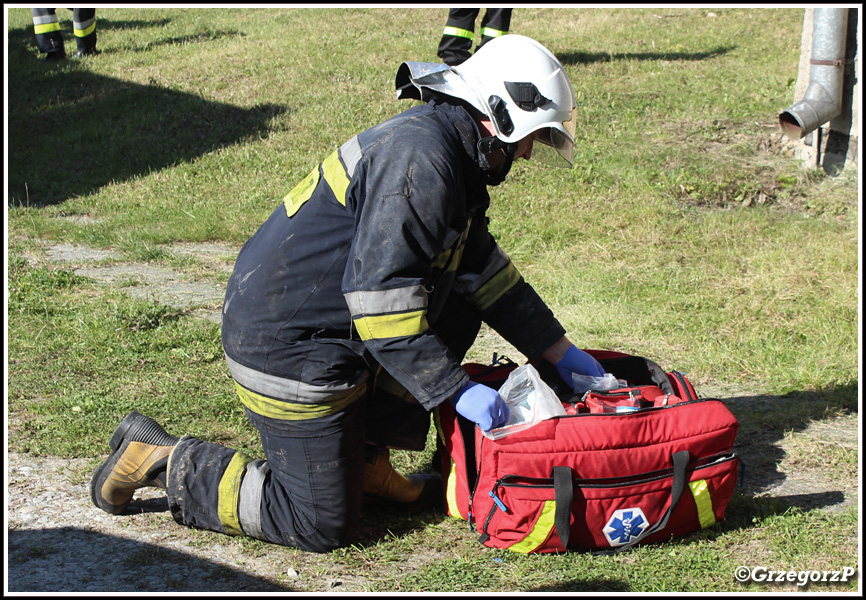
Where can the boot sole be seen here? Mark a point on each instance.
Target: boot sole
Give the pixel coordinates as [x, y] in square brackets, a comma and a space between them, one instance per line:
[97, 481]
[135, 425]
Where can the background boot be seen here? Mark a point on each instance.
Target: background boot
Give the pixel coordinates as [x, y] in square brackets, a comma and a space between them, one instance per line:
[384, 482]
[139, 459]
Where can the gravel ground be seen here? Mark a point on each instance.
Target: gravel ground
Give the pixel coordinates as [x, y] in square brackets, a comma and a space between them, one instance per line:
[52, 522]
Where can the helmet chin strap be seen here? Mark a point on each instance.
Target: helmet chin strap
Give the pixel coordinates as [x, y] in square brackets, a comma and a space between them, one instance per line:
[487, 145]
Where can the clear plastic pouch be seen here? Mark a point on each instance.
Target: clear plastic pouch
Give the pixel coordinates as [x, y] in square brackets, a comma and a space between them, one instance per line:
[529, 400]
[585, 383]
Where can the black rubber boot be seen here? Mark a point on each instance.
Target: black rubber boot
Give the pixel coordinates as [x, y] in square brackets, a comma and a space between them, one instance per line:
[82, 52]
[141, 449]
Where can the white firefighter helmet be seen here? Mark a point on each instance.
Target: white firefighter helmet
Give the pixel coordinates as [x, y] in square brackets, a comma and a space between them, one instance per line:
[516, 82]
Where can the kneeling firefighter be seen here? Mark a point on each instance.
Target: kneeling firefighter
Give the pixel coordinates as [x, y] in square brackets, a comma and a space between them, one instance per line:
[350, 310]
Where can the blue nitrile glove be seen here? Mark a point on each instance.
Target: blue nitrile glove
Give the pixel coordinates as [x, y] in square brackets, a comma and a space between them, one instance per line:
[578, 361]
[482, 405]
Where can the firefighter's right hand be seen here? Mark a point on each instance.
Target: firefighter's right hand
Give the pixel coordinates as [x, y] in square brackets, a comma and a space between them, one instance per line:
[481, 405]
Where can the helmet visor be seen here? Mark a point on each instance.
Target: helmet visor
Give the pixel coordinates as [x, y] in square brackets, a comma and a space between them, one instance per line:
[556, 148]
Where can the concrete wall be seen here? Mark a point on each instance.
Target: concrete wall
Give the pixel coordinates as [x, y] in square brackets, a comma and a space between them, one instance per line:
[834, 145]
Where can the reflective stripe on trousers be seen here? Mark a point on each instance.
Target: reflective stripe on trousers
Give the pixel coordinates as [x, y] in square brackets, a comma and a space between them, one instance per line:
[46, 26]
[307, 495]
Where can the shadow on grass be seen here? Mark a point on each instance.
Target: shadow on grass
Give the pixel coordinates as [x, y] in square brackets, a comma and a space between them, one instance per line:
[764, 423]
[72, 132]
[71, 559]
[380, 523]
[586, 585]
[582, 58]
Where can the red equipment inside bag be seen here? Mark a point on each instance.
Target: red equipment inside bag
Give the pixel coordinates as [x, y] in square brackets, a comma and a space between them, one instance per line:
[596, 478]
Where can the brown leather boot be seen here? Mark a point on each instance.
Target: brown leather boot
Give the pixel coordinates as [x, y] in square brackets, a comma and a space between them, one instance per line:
[385, 483]
[141, 449]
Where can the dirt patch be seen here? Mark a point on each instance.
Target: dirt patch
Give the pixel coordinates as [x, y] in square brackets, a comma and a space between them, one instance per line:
[733, 181]
[166, 286]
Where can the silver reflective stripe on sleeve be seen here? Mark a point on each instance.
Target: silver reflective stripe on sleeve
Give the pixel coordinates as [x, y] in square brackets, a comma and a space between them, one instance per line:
[250, 501]
[350, 152]
[387, 301]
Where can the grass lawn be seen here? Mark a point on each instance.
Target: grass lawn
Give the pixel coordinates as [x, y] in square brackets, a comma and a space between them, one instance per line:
[685, 232]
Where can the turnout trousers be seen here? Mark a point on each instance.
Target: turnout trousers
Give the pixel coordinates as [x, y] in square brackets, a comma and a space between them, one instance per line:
[47, 29]
[307, 492]
[456, 43]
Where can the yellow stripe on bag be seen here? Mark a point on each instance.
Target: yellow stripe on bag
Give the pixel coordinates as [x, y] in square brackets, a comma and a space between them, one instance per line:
[704, 502]
[451, 492]
[540, 531]
[229, 491]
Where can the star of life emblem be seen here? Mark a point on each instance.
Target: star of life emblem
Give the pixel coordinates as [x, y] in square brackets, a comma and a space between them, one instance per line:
[625, 525]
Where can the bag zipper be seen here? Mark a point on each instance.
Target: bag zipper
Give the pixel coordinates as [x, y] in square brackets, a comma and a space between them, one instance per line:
[475, 484]
[684, 385]
[598, 483]
[497, 501]
[633, 412]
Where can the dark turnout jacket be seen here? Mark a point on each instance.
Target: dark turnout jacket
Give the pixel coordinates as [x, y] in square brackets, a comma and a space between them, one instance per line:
[351, 271]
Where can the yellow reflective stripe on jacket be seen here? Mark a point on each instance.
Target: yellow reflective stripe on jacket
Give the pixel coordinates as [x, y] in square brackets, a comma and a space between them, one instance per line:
[46, 28]
[704, 502]
[490, 32]
[458, 32]
[335, 175]
[295, 411]
[540, 531]
[441, 260]
[392, 326]
[338, 173]
[229, 492]
[493, 290]
[450, 258]
[301, 192]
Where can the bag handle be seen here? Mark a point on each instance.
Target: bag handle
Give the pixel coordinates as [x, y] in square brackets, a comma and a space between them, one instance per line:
[563, 486]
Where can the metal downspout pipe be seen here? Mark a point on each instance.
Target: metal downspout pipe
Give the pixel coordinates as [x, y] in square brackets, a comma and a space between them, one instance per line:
[822, 100]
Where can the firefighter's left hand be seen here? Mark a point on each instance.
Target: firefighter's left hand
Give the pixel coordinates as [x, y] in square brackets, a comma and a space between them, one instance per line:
[481, 405]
